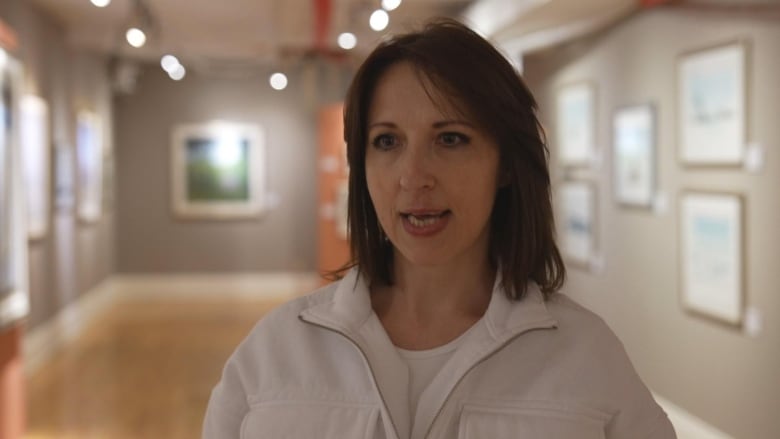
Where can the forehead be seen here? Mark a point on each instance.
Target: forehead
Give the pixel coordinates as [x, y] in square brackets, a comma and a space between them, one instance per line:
[408, 89]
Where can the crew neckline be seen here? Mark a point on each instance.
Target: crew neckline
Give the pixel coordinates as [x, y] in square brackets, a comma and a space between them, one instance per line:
[439, 350]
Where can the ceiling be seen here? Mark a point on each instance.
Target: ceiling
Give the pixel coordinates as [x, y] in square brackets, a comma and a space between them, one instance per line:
[263, 32]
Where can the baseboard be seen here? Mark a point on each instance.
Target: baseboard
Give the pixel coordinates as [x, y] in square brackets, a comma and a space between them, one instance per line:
[241, 286]
[13, 308]
[45, 340]
[687, 425]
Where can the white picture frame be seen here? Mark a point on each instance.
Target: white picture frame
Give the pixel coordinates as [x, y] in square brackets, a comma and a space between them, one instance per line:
[7, 198]
[342, 209]
[577, 222]
[576, 124]
[89, 166]
[712, 278]
[634, 162]
[219, 171]
[14, 275]
[36, 158]
[712, 106]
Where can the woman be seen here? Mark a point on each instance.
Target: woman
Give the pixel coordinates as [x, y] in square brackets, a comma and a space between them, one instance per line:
[447, 323]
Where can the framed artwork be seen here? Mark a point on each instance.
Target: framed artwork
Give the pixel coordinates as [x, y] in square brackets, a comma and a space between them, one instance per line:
[64, 180]
[576, 124]
[219, 171]
[89, 169]
[6, 193]
[577, 222]
[14, 297]
[34, 133]
[342, 209]
[712, 255]
[712, 106]
[634, 163]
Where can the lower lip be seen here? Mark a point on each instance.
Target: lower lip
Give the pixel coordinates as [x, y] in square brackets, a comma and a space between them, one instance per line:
[428, 230]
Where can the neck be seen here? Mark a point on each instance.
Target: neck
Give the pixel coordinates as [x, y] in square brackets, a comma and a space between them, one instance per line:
[426, 294]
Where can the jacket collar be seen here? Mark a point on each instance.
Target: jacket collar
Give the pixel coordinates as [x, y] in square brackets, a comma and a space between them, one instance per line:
[348, 311]
[350, 307]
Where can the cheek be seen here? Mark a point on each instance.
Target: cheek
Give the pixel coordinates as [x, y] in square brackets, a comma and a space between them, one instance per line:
[373, 187]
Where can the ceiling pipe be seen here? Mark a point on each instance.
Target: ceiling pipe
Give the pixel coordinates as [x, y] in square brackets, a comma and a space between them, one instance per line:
[322, 13]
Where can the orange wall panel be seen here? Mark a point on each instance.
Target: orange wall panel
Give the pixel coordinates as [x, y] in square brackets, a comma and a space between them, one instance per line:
[332, 170]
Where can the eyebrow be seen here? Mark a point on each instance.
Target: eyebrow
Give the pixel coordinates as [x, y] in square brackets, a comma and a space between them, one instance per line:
[440, 124]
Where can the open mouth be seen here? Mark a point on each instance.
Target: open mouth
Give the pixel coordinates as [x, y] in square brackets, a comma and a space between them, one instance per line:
[426, 219]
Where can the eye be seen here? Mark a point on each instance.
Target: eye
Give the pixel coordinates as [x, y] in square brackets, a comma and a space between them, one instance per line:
[384, 141]
[453, 139]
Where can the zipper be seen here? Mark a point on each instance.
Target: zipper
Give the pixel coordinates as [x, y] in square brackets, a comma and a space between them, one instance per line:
[463, 375]
[368, 364]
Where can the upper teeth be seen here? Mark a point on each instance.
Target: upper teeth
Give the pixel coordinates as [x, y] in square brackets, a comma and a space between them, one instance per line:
[418, 222]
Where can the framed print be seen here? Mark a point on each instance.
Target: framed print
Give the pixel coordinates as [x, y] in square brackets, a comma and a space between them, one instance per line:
[712, 263]
[577, 222]
[342, 209]
[14, 285]
[576, 124]
[89, 159]
[6, 168]
[34, 133]
[712, 106]
[64, 180]
[634, 155]
[218, 171]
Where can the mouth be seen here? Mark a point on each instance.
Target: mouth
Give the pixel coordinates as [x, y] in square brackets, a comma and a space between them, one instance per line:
[425, 220]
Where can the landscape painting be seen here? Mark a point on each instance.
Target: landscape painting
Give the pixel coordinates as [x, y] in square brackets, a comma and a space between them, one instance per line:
[218, 171]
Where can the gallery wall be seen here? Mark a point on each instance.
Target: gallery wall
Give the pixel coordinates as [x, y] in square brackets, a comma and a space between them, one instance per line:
[723, 374]
[152, 239]
[72, 256]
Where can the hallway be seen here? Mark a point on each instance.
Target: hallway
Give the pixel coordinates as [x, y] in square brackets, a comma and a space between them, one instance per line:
[143, 370]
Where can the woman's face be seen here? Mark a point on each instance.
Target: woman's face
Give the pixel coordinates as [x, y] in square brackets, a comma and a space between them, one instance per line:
[431, 174]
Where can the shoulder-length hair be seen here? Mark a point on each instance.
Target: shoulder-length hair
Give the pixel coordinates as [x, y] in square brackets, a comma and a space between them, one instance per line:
[479, 81]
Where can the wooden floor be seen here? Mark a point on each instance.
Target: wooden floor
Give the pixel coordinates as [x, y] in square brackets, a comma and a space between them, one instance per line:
[145, 370]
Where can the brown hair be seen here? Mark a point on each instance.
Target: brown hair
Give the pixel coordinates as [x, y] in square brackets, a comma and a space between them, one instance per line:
[482, 83]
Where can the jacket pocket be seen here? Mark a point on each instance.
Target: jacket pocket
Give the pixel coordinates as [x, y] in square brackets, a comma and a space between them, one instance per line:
[310, 419]
[531, 420]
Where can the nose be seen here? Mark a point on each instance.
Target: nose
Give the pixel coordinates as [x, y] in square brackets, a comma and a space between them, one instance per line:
[416, 169]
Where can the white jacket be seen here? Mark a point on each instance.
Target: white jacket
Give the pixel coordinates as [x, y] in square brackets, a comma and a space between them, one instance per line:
[323, 367]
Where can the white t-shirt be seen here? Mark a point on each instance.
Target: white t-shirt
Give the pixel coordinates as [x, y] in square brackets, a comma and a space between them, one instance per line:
[425, 365]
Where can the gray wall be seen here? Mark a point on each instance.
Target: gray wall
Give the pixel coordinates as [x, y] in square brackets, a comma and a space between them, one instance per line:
[152, 239]
[72, 257]
[722, 375]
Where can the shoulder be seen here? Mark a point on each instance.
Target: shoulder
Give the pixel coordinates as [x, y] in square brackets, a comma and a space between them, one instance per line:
[597, 359]
[285, 316]
[589, 340]
[577, 320]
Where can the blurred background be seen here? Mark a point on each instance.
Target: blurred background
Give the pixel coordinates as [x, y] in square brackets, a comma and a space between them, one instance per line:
[170, 170]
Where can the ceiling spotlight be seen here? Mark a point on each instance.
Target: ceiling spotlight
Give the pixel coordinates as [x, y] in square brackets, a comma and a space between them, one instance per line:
[169, 63]
[136, 37]
[379, 20]
[389, 5]
[178, 72]
[347, 41]
[101, 3]
[278, 81]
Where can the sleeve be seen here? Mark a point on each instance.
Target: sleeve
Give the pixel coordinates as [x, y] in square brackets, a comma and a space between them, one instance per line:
[662, 430]
[637, 415]
[227, 405]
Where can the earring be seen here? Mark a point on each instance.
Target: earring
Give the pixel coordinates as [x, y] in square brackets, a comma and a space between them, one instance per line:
[383, 236]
